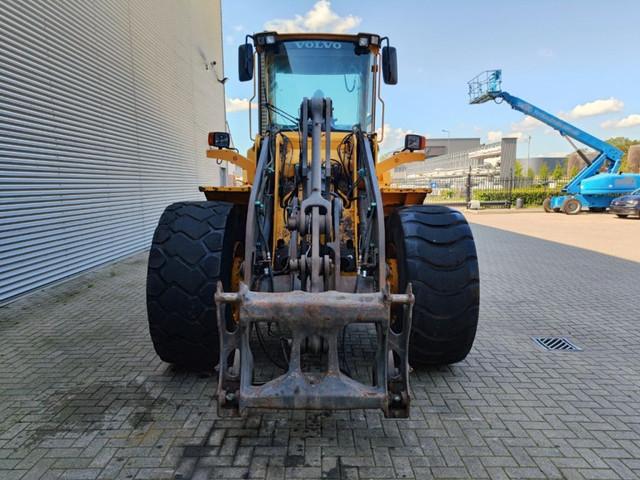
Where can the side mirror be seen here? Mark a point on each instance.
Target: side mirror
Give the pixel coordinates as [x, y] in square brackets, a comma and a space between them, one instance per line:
[389, 65]
[219, 139]
[245, 62]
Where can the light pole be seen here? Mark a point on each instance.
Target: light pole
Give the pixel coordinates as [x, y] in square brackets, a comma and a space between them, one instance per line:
[528, 151]
[448, 140]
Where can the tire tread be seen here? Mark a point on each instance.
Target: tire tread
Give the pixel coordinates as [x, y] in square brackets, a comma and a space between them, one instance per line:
[184, 268]
[440, 260]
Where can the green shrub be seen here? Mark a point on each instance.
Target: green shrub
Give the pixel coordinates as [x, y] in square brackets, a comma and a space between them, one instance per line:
[533, 196]
[449, 193]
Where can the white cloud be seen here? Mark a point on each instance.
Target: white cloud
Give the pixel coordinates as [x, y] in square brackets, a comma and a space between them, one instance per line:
[393, 138]
[238, 28]
[526, 124]
[319, 19]
[632, 120]
[494, 136]
[518, 135]
[238, 104]
[597, 107]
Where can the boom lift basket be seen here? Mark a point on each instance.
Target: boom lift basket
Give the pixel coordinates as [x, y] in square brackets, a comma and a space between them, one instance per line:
[485, 86]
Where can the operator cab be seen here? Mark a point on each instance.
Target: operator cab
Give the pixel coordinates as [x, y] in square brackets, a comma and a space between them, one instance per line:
[296, 66]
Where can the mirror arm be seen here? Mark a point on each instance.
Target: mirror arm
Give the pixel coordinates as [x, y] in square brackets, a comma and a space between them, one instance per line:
[381, 100]
[251, 137]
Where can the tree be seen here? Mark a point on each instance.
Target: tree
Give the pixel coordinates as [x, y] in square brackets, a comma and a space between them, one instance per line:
[624, 164]
[530, 173]
[558, 172]
[574, 171]
[623, 143]
[543, 172]
[517, 169]
[633, 159]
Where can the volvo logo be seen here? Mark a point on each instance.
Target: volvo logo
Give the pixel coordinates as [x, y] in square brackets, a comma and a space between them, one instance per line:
[319, 44]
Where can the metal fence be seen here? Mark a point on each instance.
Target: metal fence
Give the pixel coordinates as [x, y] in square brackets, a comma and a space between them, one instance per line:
[462, 189]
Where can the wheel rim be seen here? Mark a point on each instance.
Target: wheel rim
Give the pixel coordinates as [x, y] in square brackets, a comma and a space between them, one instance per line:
[573, 206]
[394, 279]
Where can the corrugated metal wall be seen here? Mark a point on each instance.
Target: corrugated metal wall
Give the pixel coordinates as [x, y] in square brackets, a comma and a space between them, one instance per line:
[104, 109]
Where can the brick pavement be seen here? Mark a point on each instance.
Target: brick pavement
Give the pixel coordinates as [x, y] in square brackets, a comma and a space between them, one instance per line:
[83, 395]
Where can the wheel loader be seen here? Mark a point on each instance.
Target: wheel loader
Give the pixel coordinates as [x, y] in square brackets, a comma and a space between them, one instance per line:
[315, 242]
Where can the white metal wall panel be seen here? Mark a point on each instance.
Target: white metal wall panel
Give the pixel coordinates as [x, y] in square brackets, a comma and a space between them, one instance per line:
[104, 110]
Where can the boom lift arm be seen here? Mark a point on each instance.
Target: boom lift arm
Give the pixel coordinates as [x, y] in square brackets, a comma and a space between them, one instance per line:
[487, 86]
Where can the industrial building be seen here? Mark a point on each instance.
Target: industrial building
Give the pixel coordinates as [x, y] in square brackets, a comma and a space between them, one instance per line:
[455, 145]
[104, 112]
[464, 155]
[535, 163]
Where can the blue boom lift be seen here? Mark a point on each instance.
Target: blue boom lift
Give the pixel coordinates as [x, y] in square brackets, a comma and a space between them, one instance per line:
[595, 186]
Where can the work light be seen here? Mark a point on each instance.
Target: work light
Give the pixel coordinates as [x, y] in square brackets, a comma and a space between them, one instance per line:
[414, 142]
[367, 39]
[219, 139]
[265, 38]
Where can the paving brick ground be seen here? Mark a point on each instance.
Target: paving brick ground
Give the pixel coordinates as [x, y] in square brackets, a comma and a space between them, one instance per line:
[83, 396]
[604, 232]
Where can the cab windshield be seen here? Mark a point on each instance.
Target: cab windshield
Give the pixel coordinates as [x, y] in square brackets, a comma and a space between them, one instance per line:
[295, 69]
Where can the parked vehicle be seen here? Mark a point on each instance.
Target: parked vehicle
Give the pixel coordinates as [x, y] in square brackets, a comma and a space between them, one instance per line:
[626, 205]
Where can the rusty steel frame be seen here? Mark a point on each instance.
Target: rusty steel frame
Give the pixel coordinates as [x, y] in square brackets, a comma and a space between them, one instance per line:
[307, 314]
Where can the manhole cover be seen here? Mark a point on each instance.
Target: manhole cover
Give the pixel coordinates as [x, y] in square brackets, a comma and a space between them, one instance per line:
[556, 343]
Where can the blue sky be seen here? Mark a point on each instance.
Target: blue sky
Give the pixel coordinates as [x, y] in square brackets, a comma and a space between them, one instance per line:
[578, 58]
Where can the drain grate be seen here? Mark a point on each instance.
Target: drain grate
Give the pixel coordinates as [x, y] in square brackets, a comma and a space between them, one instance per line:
[556, 343]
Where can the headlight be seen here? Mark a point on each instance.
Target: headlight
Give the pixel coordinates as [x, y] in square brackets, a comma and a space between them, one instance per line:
[633, 202]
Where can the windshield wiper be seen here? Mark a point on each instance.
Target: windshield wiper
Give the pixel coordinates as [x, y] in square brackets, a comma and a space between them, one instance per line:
[282, 113]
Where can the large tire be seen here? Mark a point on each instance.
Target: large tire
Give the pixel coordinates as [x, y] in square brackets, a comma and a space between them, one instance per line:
[192, 249]
[435, 251]
[546, 205]
[572, 206]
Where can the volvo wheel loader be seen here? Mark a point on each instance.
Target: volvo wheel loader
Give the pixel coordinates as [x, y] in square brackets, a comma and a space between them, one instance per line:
[314, 242]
